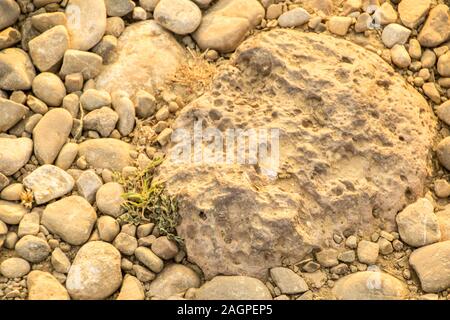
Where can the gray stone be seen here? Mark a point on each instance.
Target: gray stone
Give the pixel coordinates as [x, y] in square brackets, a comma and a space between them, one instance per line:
[51, 134]
[87, 63]
[48, 182]
[125, 243]
[48, 49]
[32, 248]
[88, 184]
[149, 259]
[94, 99]
[165, 248]
[288, 281]
[174, 279]
[95, 272]
[9, 13]
[71, 218]
[106, 153]
[10, 114]
[233, 288]
[179, 16]
[293, 18]
[14, 154]
[119, 8]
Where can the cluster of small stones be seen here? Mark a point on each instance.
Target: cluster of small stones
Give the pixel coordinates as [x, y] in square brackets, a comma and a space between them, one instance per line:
[61, 140]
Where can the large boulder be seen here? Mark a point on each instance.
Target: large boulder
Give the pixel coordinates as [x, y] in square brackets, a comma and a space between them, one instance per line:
[154, 54]
[354, 142]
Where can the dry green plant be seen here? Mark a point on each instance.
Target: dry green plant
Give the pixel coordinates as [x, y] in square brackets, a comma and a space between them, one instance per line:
[196, 74]
[147, 201]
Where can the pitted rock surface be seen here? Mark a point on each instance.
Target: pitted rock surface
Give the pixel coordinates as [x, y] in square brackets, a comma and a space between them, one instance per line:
[354, 150]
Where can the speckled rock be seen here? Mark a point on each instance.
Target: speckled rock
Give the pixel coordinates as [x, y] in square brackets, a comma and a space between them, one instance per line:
[326, 181]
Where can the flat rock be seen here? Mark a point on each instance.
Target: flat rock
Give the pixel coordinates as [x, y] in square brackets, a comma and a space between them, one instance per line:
[293, 18]
[44, 286]
[179, 16]
[436, 28]
[432, 265]
[16, 70]
[106, 153]
[418, 225]
[9, 13]
[334, 182]
[370, 285]
[14, 268]
[288, 281]
[51, 133]
[14, 154]
[48, 182]
[10, 113]
[71, 218]
[11, 213]
[48, 49]
[413, 12]
[86, 22]
[87, 63]
[174, 279]
[152, 51]
[226, 23]
[95, 272]
[233, 288]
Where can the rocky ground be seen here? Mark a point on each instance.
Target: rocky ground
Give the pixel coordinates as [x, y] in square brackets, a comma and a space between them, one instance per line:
[93, 204]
